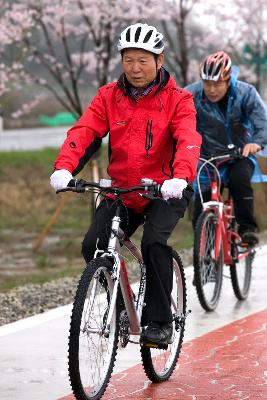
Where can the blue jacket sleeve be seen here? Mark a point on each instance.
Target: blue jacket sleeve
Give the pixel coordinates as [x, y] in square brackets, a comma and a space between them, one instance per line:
[255, 110]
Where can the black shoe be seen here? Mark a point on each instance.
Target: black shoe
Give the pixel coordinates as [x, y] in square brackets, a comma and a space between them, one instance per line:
[158, 333]
[249, 238]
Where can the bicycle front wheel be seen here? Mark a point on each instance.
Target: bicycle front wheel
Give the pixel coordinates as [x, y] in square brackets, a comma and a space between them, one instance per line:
[241, 272]
[208, 272]
[92, 350]
[158, 363]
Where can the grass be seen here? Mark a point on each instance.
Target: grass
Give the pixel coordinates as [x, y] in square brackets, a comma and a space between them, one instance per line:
[27, 204]
[21, 159]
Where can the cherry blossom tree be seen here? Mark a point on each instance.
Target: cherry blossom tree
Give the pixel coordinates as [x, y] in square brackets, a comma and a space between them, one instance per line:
[63, 45]
[249, 41]
[240, 28]
[66, 46]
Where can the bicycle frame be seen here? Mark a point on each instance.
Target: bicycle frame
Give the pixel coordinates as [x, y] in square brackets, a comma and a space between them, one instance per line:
[120, 276]
[223, 209]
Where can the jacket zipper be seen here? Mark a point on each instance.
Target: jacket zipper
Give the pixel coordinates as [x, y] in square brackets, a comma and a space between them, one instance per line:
[149, 136]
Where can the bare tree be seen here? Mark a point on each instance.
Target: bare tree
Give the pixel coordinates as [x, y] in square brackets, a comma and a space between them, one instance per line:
[177, 35]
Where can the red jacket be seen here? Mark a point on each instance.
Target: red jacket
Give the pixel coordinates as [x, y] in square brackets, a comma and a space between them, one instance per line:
[153, 138]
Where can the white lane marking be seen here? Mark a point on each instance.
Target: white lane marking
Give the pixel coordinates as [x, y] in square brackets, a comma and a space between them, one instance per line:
[35, 320]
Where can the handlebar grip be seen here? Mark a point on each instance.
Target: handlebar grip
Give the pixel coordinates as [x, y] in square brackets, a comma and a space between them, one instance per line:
[72, 183]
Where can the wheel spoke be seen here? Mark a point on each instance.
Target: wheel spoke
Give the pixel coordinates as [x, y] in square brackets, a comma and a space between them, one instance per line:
[241, 272]
[208, 271]
[158, 363]
[91, 353]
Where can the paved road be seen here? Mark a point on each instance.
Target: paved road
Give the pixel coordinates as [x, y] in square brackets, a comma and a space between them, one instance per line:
[32, 138]
[218, 360]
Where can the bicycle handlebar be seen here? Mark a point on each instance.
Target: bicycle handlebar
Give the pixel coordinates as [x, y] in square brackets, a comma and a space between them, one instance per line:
[234, 153]
[81, 186]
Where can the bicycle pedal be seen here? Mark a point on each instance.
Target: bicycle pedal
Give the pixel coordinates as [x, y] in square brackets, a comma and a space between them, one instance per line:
[243, 244]
[152, 345]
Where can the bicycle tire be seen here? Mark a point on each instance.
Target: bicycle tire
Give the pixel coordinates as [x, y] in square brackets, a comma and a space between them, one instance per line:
[159, 364]
[208, 274]
[91, 354]
[241, 273]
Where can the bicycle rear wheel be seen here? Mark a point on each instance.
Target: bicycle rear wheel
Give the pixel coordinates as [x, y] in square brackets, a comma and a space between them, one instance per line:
[208, 272]
[92, 352]
[241, 272]
[159, 364]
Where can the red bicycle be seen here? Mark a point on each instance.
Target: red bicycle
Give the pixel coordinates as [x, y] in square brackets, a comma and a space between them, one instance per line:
[217, 241]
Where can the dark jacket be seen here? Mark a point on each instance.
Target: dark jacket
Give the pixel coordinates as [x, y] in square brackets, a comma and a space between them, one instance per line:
[245, 120]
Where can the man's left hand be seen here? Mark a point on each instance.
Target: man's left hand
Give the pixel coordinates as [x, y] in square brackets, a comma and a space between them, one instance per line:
[250, 148]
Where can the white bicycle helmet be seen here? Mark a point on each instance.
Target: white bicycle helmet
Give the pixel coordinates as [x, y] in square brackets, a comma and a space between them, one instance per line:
[141, 36]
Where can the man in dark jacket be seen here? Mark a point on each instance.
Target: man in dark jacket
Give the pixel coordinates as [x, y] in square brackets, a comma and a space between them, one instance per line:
[230, 112]
[152, 134]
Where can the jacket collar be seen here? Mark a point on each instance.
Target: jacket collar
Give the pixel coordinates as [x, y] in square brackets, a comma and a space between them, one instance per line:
[163, 78]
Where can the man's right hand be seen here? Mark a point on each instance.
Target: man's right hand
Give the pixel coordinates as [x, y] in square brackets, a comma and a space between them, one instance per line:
[60, 179]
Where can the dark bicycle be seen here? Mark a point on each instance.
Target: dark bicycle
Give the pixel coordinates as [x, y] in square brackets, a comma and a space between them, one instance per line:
[100, 320]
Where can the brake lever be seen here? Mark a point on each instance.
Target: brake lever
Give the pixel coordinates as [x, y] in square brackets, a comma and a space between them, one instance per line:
[151, 197]
[80, 186]
[74, 185]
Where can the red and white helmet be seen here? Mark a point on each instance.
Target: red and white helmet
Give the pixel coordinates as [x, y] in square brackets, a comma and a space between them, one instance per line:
[216, 67]
[141, 36]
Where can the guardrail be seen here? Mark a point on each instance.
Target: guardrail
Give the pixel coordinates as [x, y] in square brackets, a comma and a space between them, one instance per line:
[32, 138]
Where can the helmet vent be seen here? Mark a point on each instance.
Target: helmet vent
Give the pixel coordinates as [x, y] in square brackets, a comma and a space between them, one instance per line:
[148, 36]
[137, 34]
[158, 45]
[205, 67]
[218, 69]
[128, 35]
[210, 68]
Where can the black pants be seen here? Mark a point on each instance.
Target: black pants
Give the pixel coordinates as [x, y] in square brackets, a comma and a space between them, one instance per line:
[241, 190]
[159, 220]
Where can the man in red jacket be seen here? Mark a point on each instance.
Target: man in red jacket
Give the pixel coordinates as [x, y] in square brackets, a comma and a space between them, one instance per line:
[152, 134]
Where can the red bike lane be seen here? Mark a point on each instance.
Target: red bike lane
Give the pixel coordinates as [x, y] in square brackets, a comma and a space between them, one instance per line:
[227, 363]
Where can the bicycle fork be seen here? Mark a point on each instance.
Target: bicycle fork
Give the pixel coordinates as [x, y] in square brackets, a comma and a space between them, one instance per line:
[217, 209]
[218, 232]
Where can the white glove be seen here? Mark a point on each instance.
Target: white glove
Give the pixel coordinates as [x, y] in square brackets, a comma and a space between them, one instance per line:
[60, 179]
[173, 188]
